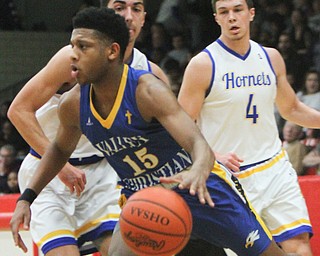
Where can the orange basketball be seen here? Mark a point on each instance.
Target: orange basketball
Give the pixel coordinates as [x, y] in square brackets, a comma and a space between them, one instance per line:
[156, 221]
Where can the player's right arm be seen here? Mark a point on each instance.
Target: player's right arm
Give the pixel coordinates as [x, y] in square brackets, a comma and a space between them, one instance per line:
[36, 92]
[55, 157]
[195, 83]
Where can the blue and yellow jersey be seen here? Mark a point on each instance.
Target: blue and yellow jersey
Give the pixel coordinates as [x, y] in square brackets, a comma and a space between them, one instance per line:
[139, 151]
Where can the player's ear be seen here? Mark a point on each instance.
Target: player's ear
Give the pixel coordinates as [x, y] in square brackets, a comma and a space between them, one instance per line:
[113, 51]
[144, 19]
[252, 13]
[215, 18]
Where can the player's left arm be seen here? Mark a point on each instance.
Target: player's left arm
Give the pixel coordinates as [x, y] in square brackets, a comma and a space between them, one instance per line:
[290, 107]
[156, 100]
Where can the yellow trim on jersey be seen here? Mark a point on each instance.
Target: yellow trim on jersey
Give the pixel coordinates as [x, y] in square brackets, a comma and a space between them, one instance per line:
[296, 223]
[263, 225]
[222, 173]
[260, 168]
[107, 123]
[57, 233]
[218, 170]
[96, 222]
[75, 234]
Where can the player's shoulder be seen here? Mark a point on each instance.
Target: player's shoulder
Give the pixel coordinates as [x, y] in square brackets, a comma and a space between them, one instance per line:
[272, 52]
[71, 99]
[69, 106]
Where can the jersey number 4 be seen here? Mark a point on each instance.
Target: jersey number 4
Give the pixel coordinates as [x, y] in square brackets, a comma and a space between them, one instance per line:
[252, 110]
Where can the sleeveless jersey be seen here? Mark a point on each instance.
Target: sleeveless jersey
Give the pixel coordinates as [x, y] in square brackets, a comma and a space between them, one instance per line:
[238, 111]
[139, 151]
[139, 61]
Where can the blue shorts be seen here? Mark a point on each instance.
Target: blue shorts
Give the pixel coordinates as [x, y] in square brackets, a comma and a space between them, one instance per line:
[231, 223]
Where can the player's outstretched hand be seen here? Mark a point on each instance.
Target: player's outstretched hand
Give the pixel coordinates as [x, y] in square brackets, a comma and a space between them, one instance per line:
[20, 216]
[73, 178]
[194, 181]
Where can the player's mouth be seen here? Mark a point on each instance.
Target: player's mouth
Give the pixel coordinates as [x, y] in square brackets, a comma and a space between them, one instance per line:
[235, 29]
[74, 71]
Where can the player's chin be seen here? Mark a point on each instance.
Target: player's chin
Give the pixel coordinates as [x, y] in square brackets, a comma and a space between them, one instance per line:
[82, 81]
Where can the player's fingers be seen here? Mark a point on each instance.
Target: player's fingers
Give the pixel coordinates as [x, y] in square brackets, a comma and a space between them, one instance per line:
[15, 236]
[208, 199]
[71, 188]
[81, 184]
[26, 221]
[22, 245]
[168, 180]
[78, 189]
[84, 179]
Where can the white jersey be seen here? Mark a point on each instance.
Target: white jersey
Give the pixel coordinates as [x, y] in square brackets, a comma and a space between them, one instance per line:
[238, 116]
[139, 61]
[239, 104]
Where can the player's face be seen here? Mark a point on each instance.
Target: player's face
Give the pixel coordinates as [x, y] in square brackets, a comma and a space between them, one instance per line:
[312, 83]
[89, 56]
[234, 17]
[133, 12]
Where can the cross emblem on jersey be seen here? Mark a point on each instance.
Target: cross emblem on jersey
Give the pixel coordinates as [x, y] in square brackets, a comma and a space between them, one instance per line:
[128, 115]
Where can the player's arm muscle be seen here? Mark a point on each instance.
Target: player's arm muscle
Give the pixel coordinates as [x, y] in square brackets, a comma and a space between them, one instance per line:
[36, 92]
[64, 144]
[157, 101]
[195, 83]
[290, 107]
[159, 73]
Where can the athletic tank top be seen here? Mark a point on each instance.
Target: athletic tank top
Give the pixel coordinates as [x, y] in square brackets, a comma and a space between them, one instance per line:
[139, 61]
[238, 111]
[139, 151]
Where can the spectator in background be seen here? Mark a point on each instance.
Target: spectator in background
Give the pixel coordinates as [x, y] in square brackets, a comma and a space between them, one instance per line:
[312, 138]
[169, 16]
[300, 33]
[191, 16]
[8, 163]
[180, 51]
[174, 72]
[314, 18]
[10, 135]
[310, 93]
[292, 134]
[160, 43]
[294, 64]
[311, 162]
[12, 182]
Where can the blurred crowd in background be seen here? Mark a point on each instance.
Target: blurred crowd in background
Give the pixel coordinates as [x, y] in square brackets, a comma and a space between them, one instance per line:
[176, 30]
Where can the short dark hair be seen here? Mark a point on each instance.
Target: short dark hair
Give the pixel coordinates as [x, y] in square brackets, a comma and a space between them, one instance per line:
[110, 25]
[249, 3]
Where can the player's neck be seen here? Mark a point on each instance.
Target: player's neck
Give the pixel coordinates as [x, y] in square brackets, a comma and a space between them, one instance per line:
[240, 46]
[128, 54]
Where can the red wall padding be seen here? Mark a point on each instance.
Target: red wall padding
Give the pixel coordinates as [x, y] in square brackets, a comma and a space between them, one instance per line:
[7, 206]
[310, 186]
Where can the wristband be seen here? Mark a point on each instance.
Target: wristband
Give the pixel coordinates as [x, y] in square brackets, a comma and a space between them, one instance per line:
[28, 195]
